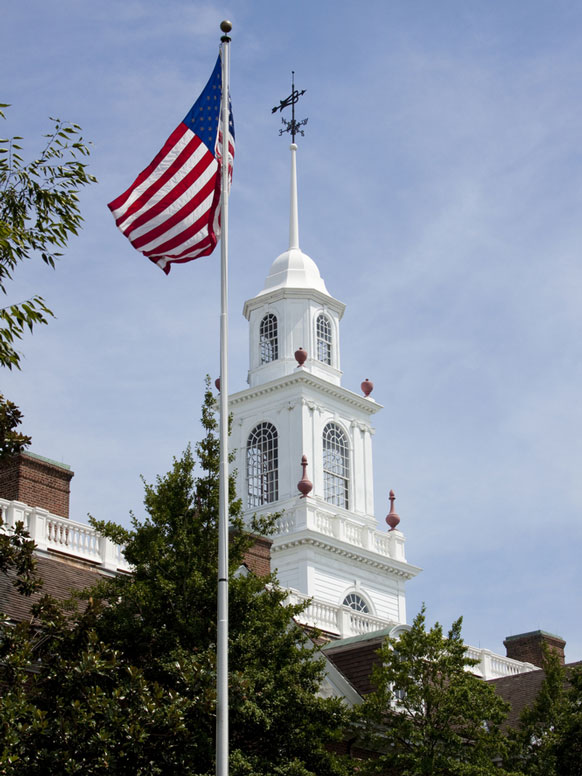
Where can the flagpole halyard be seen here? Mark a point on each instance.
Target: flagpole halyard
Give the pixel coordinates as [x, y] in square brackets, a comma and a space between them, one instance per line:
[222, 594]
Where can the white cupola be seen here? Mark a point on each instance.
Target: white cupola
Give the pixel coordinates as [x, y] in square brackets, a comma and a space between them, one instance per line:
[302, 446]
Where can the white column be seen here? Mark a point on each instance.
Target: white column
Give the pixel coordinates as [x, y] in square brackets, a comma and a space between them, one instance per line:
[37, 527]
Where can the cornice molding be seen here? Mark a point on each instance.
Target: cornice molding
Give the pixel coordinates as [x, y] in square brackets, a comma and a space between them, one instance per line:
[400, 569]
[301, 377]
[293, 293]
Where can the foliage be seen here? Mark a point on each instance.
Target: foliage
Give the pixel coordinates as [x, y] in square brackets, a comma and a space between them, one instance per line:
[532, 746]
[12, 441]
[16, 548]
[548, 741]
[17, 558]
[428, 713]
[75, 707]
[39, 212]
[568, 749]
[127, 686]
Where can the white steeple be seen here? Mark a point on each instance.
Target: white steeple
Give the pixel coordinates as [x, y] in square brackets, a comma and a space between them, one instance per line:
[282, 315]
[293, 268]
[327, 547]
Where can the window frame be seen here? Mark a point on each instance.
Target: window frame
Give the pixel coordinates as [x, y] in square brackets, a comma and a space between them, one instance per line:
[262, 465]
[355, 596]
[324, 339]
[268, 339]
[336, 478]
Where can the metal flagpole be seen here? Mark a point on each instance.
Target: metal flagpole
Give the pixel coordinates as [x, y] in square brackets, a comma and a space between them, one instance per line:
[222, 604]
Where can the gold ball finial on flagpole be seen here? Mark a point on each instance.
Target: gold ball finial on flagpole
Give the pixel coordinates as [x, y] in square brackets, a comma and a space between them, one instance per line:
[226, 26]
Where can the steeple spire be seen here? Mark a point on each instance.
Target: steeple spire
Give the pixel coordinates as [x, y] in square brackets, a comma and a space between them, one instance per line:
[294, 127]
[293, 214]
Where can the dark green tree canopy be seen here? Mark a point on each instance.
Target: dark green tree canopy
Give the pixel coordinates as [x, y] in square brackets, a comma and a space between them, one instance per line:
[429, 714]
[127, 686]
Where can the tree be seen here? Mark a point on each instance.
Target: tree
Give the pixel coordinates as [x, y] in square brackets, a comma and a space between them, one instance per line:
[532, 746]
[127, 685]
[428, 713]
[17, 558]
[39, 212]
[12, 440]
[568, 748]
[548, 741]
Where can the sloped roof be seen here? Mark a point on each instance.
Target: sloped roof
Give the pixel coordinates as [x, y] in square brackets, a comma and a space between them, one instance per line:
[59, 577]
[356, 656]
[520, 690]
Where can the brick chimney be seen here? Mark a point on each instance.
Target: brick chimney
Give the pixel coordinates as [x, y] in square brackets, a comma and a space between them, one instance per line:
[528, 646]
[37, 481]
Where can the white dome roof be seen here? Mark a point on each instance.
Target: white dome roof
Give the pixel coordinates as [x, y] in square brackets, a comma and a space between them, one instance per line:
[294, 269]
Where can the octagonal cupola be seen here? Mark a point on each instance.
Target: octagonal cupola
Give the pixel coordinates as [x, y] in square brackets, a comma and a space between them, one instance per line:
[294, 310]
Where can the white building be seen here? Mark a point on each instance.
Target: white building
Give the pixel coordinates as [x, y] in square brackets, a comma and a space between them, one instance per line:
[327, 546]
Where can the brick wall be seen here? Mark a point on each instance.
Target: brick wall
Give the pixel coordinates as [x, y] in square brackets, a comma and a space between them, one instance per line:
[258, 557]
[529, 646]
[37, 481]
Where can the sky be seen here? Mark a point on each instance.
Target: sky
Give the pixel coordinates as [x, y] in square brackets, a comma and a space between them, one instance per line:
[440, 193]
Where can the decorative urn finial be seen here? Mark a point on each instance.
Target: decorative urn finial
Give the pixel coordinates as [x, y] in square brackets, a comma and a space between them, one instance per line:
[301, 356]
[392, 518]
[304, 486]
[217, 383]
[367, 387]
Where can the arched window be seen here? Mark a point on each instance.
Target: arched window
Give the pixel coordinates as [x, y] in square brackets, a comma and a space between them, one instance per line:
[262, 465]
[268, 339]
[323, 338]
[355, 601]
[336, 468]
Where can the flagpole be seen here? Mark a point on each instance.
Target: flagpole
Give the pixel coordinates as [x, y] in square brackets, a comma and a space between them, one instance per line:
[222, 603]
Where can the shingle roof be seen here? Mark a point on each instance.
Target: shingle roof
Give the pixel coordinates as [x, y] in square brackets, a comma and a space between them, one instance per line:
[356, 656]
[520, 690]
[60, 578]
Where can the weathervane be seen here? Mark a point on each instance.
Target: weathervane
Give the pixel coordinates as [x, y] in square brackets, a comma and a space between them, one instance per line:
[291, 126]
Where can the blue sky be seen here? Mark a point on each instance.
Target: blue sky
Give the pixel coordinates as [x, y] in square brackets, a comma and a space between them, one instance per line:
[440, 195]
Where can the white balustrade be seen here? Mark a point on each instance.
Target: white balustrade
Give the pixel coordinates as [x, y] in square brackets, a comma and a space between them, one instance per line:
[285, 524]
[353, 534]
[324, 523]
[333, 618]
[342, 527]
[381, 543]
[361, 623]
[492, 666]
[59, 534]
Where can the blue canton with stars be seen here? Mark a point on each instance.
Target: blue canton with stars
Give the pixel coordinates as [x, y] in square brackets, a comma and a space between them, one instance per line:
[203, 116]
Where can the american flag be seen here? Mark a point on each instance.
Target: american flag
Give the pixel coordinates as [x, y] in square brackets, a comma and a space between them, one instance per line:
[171, 212]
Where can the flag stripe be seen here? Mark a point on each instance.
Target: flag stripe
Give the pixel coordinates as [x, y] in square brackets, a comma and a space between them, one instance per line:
[189, 240]
[175, 141]
[166, 176]
[175, 222]
[165, 202]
